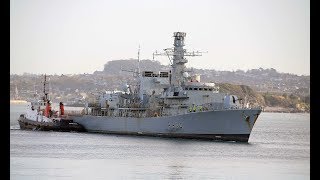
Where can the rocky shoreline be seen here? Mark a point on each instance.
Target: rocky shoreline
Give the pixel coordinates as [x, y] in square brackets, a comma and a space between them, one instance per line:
[283, 110]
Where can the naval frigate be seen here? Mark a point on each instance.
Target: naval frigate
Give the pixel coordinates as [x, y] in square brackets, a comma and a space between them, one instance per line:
[171, 103]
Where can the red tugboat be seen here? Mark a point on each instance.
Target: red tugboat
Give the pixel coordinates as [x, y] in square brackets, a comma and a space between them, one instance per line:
[40, 116]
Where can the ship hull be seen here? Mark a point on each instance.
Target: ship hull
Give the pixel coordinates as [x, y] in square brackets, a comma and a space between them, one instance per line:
[225, 125]
[66, 126]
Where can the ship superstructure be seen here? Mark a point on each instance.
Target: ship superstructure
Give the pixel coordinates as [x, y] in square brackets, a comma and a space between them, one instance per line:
[171, 103]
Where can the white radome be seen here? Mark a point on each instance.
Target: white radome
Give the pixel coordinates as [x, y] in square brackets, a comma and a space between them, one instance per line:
[185, 74]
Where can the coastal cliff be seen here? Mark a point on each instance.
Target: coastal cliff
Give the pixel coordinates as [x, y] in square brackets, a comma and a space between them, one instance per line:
[271, 102]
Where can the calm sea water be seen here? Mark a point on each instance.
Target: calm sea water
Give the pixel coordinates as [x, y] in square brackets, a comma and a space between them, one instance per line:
[278, 148]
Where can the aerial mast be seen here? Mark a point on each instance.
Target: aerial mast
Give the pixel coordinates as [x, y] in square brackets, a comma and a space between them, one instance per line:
[139, 60]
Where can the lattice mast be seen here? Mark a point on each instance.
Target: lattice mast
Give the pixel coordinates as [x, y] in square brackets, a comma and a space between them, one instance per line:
[178, 59]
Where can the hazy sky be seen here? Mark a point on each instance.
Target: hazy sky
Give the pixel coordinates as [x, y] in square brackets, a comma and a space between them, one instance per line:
[80, 36]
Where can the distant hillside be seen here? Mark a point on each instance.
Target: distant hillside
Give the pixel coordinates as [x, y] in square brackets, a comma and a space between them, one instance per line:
[242, 91]
[261, 80]
[280, 102]
[264, 87]
[115, 67]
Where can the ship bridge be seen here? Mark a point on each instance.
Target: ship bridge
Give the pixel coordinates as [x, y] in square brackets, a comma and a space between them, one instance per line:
[153, 82]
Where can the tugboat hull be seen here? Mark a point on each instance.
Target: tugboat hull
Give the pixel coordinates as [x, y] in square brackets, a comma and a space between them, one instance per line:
[64, 125]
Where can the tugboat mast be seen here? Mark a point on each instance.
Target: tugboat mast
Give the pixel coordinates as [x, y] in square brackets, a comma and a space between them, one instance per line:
[44, 88]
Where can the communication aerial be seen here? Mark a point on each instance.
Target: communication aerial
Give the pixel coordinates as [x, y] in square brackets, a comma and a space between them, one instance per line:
[136, 72]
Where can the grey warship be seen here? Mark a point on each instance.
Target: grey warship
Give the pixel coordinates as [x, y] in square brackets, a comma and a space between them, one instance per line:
[171, 103]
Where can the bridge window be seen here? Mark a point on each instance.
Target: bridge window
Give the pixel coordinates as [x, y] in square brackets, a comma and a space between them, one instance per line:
[147, 73]
[196, 89]
[200, 89]
[164, 74]
[206, 89]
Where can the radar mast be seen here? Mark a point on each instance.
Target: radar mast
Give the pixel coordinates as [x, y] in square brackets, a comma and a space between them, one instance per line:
[178, 58]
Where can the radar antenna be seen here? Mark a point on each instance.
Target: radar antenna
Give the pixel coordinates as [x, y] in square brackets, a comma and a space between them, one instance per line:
[176, 57]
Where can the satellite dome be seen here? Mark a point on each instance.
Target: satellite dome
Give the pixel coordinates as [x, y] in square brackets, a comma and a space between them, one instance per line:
[185, 74]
